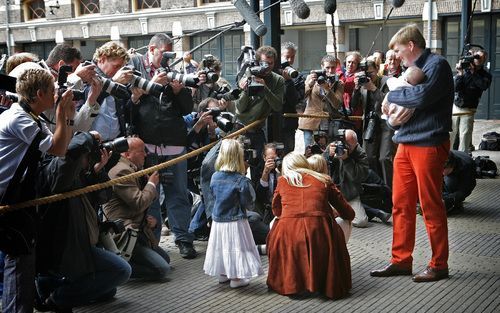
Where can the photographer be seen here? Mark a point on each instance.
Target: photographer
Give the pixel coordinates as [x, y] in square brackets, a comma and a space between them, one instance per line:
[110, 59]
[349, 168]
[323, 91]
[130, 203]
[370, 90]
[392, 66]
[209, 69]
[470, 82]
[22, 140]
[72, 270]
[459, 180]
[161, 125]
[350, 107]
[294, 94]
[264, 190]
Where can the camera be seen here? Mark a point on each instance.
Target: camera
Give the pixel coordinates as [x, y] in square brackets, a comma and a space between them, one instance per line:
[62, 82]
[224, 120]
[340, 143]
[278, 161]
[117, 145]
[166, 177]
[286, 67]
[116, 226]
[150, 87]
[224, 92]
[207, 64]
[187, 80]
[370, 128]
[323, 78]
[363, 77]
[249, 154]
[466, 60]
[112, 88]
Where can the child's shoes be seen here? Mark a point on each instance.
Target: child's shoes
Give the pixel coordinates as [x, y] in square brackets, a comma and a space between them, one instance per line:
[239, 283]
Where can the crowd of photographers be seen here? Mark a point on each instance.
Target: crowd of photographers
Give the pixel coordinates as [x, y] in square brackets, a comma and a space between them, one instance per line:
[75, 124]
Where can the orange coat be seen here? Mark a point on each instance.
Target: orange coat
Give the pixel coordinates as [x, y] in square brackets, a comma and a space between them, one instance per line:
[306, 247]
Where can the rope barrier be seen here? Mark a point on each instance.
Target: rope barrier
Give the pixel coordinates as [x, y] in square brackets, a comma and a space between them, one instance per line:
[78, 192]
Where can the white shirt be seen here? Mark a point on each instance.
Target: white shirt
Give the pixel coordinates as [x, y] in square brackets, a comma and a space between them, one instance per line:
[17, 130]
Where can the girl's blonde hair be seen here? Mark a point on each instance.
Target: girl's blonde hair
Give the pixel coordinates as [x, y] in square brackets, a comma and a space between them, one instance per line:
[318, 164]
[230, 158]
[295, 165]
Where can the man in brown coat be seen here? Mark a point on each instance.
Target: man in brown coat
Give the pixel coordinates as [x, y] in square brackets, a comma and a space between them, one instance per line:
[130, 202]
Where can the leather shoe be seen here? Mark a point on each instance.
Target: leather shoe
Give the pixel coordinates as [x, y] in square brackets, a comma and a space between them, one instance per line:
[187, 250]
[430, 274]
[392, 269]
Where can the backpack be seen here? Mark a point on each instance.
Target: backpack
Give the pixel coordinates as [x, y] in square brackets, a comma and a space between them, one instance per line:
[485, 167]
[490, 141]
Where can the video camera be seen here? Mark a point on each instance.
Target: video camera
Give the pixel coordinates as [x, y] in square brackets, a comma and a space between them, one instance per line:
[249, 66]
[188, 80]
[207, 64]
[224, 120]
[323, 78]
[286, 67]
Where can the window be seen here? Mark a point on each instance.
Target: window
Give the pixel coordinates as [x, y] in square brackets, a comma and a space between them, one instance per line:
[34, 9]
[226, 48]
[138, 42]
[204, 2]
[84, 7]
[138, 5]
[42, 49]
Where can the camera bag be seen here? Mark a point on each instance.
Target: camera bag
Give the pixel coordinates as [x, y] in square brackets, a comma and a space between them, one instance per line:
[490, 141]
[485, 167]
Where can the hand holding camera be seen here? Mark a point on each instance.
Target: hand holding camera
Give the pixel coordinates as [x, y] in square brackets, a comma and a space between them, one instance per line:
[105, 154]
[160, 77]
[338, 150]
[95, 89]
[86, 72]
[123, 76]
[311, 79]
[66, 108]
[269, 166]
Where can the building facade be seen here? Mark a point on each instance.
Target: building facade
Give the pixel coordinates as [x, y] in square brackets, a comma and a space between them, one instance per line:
[37, 25]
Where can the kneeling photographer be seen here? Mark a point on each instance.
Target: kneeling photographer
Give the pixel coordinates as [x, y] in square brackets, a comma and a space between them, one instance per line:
[130, 203]
[349, 168]
[370, 90]
[72, 270]
[459, 180]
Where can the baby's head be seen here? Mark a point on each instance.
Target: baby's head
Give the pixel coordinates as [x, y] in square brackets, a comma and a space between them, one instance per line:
[414, 75]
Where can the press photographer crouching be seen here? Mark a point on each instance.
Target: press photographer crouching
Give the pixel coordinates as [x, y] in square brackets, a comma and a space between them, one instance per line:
[73, 271]
[130, 203]
[348, 169]
[459, 180]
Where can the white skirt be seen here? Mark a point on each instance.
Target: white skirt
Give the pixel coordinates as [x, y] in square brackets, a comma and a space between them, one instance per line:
[231, 251]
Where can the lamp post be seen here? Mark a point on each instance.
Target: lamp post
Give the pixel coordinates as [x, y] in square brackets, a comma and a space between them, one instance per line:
[7, 29]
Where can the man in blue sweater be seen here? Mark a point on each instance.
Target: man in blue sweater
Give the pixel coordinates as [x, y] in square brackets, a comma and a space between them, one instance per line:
[419, 162]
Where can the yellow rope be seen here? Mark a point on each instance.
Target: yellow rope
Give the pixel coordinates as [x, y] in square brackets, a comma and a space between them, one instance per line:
[110, 183]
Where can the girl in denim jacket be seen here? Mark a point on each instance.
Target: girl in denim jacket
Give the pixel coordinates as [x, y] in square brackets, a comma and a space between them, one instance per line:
[231, 253]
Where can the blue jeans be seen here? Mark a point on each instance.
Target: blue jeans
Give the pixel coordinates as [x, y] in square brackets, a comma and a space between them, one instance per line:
[149, 263]
[110, 271]
[176, 200]
[207, 170]
[19, 283]
[308, 137]
[199, 219]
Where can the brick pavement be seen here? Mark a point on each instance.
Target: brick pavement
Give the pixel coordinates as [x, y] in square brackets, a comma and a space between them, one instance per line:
[474, 284]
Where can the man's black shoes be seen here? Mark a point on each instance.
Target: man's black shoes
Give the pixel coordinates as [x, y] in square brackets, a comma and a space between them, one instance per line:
[186, 250]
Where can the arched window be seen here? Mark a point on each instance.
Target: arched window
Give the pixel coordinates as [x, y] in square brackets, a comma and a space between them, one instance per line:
[84, 7]
[34, 9]
[146, 4]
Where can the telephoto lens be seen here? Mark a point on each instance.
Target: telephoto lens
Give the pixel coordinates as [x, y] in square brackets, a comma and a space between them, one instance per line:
[150, 87]
[117, 145]
[187, 80]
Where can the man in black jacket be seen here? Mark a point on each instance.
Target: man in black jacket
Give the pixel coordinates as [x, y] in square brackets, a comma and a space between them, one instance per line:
[459, 180]
[161, 125]
[470, 82]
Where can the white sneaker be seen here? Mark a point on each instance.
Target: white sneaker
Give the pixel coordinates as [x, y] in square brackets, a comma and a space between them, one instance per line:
[239, 283]
[223, 279]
